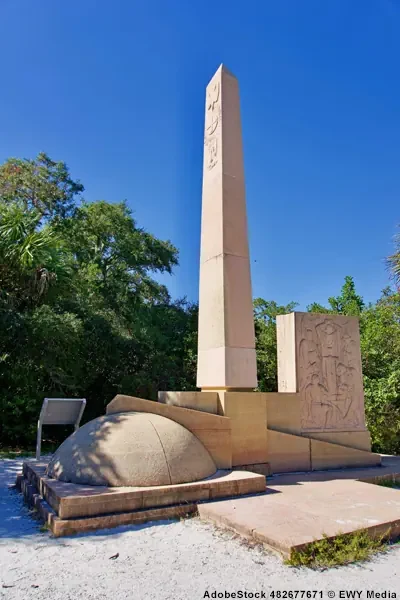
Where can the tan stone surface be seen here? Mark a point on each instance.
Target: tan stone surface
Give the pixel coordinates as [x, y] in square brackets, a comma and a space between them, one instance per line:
[286, 353]
[237, 363]
[226, 346]
[328, 369]
[325, 455]
[288, 452]
[289, 517]
[203, 401]
[325, 502]
[219, 444]
[248, 414]
[283, 412]
[72, 501]
[261, 468]
[361, 440]
[388, 471]
[126, 449]
[214, 431]
[61, 527]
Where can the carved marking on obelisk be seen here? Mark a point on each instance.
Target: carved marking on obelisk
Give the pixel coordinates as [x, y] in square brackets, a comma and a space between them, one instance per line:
[213, 120]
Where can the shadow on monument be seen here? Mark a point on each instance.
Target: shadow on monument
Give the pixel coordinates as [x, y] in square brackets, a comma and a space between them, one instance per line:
[88, 460]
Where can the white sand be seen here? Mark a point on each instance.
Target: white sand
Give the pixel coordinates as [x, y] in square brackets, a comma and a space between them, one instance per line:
[167, 560]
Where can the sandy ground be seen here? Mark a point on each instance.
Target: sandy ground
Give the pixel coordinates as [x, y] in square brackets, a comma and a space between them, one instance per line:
[164, 560]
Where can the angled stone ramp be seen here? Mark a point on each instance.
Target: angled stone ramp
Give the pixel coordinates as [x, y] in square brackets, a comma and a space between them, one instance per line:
[288, 452]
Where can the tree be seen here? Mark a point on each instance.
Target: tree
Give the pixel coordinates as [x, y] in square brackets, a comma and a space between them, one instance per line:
[380, 350]
[81, 310]
[42, 185]
[347, 303]
[115, 258]
[32, 260]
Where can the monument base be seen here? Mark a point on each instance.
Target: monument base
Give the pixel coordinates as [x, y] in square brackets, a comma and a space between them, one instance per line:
[259, 468]
[69, 508]
[247, 414]
[206, 401]
[288, 453]
[240, 441]
[360, 440]
[266, 429]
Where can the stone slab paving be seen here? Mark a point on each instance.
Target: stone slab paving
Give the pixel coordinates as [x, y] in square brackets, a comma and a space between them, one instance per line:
[73, 500]
[302, 507]
[389, 469]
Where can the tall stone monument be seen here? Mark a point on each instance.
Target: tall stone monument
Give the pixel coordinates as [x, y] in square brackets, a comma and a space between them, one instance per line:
[189, 446]
[316, 420]
[226, 342]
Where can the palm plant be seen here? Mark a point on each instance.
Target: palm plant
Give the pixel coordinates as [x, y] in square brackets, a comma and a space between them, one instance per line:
[31, 256]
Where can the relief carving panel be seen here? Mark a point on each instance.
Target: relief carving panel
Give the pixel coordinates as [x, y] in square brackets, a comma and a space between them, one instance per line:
[329, 373]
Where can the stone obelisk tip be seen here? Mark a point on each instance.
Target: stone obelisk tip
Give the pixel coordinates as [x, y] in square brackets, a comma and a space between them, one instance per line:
[225, 69]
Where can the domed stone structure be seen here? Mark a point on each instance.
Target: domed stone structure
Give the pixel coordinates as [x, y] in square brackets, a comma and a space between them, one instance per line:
[131, 449]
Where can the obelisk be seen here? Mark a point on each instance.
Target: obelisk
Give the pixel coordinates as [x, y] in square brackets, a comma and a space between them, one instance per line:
[226, 342]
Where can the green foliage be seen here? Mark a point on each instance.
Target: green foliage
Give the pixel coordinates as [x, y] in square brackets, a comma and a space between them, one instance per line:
[80, 311]
[392, 482]
[41, 185]
[32, 258]
[341, 550]
[115, 258]
[26, 452]
[347, 303]
[315, 307]
[380, 349]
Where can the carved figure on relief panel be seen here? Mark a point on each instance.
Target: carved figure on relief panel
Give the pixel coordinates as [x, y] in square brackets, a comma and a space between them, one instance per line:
[353, 417]
[349, 350]
[345, 389]
[310, 359]
[329, 336]
[318, 407]
[309, 353]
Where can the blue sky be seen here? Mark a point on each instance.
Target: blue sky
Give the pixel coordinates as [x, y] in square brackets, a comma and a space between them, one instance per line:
[116, 90]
